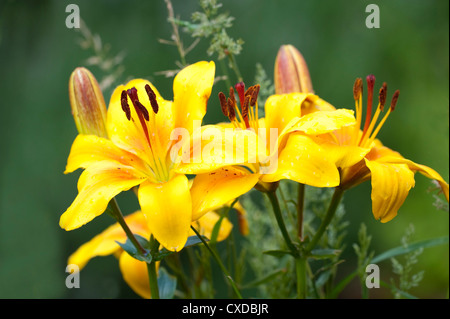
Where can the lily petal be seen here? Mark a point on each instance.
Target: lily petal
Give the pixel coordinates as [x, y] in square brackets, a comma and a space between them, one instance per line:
[105, 243]
[304, 161]
[168, 210]
[215, 146]
[97, 185]
[206, 223]
[280, 109]
[89, 149]
[212, 190]
[390, 186]
[323, 122]
[384, 154]
[135, 274]
[191, 90]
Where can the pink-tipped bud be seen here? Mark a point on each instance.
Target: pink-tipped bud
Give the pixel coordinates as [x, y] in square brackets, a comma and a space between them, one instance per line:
[291, 72]
[87, 103]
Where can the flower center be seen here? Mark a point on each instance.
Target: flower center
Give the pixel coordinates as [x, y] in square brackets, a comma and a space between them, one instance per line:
[369, 131]
[247, 117]
[146, 125]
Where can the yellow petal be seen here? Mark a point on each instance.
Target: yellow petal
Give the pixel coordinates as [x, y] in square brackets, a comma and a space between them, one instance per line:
[390, 186]
[105, 243]
[384, 154]
[215, 146]
[168, 210]
[212, 190]
[97, 185]
[135, 274]
[342, 155]
[89, 149]
[280, 109]
[191, 89]
[323, 122]
[206, 223]
[304, 161]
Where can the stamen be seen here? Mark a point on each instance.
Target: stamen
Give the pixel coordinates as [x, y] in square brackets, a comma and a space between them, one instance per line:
[382, 101]
[393, 104]
[125, 106]
[233, 98]
[152, 97]
[357, 89]
[245, 111]
[370, 83]
[394, 100]
[223, 103]
[382, 96]
[254, 95]
[231, 112]
[240, 88]
[140, 109]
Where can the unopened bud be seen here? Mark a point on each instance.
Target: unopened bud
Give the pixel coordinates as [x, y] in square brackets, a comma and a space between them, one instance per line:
[87, 103]
[291, 72]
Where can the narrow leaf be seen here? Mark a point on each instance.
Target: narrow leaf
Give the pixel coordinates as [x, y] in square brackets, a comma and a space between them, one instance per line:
[166, 283]
[404, 250]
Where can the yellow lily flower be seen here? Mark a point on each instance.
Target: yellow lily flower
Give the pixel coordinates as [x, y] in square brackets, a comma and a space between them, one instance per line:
[140, 126]
[135, 272]
[360, 156]
[270, 154]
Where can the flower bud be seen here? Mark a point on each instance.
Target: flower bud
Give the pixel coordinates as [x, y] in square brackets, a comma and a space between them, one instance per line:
[87, 103]
[291, 72]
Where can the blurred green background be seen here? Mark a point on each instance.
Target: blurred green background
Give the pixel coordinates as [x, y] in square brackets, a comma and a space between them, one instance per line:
[38, 52]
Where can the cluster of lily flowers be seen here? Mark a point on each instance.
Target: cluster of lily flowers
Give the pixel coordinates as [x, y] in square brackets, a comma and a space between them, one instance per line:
[132, 145]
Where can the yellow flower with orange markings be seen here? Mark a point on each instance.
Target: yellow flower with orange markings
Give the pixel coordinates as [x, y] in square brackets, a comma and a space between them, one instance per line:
[360, 156]
[138, 151]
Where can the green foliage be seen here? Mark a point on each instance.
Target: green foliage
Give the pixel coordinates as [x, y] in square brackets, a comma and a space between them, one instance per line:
[407, 279]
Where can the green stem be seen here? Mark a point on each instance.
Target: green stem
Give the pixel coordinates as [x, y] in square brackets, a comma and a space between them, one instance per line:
[335, 200]
[219, 262]
[151, 268]
[277, 211]
[116, 213]
[234, 67]
[300, 210]
[300, 267]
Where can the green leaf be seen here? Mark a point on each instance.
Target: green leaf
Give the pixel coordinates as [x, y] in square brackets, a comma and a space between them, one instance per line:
[277, 253]
[264, 279]
[167, 284]
[324, 253]
[389, 254]
[401, 292]
[129, 247]
[404, 250]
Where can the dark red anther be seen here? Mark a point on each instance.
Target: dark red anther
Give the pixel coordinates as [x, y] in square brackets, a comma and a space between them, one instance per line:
[357, 89]
[140, 109]
[245, 111]
[382, 95]
[394, 100]
[223, 103]
[231, 112]
[152, 97]
[124, 103]
[254, 95]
